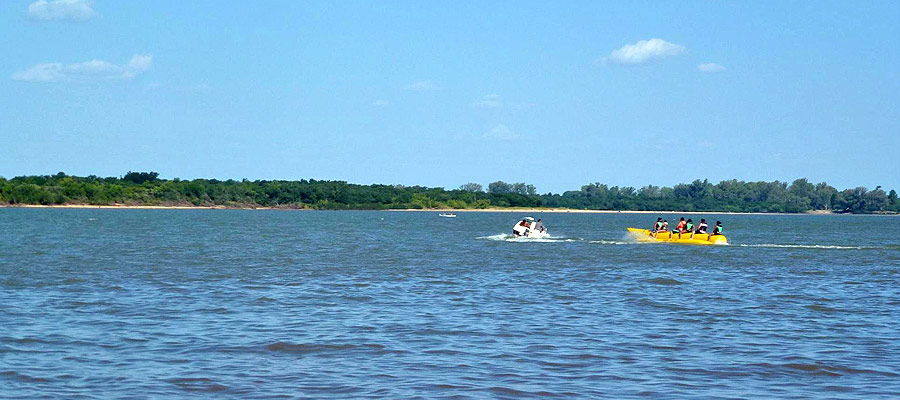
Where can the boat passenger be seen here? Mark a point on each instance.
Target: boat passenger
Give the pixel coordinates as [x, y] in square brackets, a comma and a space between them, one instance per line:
[521, 229]
[718, 229]
[680, 227]
[656, 227]
[665, 226]
[539, 226]
[700, 228]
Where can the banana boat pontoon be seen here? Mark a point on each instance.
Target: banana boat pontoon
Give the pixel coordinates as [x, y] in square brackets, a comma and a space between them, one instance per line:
[644, 235]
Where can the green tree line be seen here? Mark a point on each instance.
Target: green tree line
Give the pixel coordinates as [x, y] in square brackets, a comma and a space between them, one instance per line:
[146, 188]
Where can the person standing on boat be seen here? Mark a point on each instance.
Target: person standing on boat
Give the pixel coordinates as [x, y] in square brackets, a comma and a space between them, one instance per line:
[718, 229]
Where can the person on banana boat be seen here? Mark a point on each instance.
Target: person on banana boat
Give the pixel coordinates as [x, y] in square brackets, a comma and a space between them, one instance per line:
[680, 228]
[656, 227]
[700, 228]
[718, 229]
[664, 227]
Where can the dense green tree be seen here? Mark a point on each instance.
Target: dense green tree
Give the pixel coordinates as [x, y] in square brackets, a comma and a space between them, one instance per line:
[147, 188]
[499, 187]
[472, 187]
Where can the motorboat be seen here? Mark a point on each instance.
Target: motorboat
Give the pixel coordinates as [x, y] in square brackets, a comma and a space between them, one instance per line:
[447, 215]
[526, 228]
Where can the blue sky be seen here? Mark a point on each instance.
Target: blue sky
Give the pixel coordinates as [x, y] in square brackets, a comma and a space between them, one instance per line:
[444, 93]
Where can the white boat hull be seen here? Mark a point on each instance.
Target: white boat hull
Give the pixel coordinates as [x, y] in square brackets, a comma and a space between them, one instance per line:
[529, 232]
[536, 235]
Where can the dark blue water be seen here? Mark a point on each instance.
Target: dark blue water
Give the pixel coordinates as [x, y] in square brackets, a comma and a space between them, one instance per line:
[281, 304]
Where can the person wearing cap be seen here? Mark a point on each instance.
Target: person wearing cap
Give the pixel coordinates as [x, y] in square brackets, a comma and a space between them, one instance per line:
[718, 229]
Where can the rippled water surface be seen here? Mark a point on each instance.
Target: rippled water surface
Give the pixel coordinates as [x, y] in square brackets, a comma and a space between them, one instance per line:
[262, 304]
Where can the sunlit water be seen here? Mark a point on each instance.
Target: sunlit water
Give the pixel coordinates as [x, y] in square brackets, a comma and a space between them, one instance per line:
[261, 304]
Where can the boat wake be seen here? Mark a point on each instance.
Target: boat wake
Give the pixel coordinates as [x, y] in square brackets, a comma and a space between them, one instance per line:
[614, 242]
[506, 237]
[808, 246]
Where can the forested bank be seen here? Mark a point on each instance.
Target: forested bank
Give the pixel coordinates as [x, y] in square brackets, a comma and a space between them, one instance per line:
[146, 188]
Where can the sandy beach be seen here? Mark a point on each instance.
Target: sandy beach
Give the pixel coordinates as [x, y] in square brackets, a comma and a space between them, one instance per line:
[576, 211]
[438, 210]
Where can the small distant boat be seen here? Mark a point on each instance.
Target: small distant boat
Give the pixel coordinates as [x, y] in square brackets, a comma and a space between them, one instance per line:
[447, 215]
[526, 228]
[644, 235]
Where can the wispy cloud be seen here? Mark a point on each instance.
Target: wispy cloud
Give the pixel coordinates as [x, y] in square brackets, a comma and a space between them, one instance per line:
[489, 101]
[93, 70]
[644, 51]
[422, 86]
[501, 132]
[710, 67]
[61, 10]
[380, 103]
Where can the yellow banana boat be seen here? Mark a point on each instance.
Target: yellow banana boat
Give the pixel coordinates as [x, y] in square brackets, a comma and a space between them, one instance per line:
[644, 235]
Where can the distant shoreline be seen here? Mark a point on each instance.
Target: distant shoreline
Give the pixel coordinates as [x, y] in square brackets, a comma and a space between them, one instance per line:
[438, 210]
[579, 211]
[146, 207]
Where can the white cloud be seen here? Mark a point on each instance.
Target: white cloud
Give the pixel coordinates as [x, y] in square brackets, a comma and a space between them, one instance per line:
[501, 132]
[422, 86]
[140, 62]
[380, 103]
[61, 10]
[85, 71]
[644, 51]
[489, 101]
[710, 67]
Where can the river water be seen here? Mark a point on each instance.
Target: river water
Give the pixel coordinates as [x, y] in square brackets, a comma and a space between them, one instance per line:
[266, 304]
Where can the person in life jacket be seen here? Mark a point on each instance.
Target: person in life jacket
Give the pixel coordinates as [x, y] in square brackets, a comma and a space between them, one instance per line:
[680, 227]
[656, 227]
[700, 228]
[689, 226]
[718, 229]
